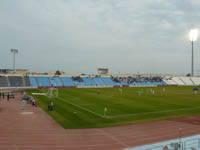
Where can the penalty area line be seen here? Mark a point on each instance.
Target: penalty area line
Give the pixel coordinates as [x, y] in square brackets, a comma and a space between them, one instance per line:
[85, 109]
[155, 112]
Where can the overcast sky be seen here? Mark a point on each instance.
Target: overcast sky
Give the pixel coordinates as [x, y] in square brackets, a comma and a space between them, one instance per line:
[77, 36]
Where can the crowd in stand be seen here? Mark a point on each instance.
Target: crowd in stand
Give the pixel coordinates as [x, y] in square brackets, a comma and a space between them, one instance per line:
[132, 80]
[77, 78]
[128, 80]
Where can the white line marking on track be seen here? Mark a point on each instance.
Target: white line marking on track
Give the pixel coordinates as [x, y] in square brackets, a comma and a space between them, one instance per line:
[27, 113]
[115, 139]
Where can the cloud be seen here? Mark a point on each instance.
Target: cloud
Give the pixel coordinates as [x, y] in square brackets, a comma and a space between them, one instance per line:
[78, 36]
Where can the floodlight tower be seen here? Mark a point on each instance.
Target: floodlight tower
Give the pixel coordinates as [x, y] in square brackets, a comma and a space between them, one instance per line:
[14, 51]
[193, 37]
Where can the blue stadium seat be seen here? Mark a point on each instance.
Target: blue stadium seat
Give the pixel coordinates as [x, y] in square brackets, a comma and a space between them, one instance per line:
[108, 81]
[56, 82]
[33, 81]
[88, 81]
[99, 81]
[43, 81]
[67, 81]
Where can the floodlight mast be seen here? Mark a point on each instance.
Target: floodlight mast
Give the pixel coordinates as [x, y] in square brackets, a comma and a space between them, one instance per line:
[14, 51]
[193, 37]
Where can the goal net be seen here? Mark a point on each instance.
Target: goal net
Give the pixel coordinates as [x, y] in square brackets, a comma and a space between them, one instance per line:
[52, 92]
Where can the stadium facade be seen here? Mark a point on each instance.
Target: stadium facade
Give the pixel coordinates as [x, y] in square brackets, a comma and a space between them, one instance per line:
[93, 81]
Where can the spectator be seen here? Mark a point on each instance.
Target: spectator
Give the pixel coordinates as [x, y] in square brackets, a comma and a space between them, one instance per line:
[50, 107]
[8, 96]
[23, 104]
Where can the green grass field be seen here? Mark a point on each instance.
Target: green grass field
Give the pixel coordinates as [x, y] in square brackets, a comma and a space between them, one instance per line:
[84, 108]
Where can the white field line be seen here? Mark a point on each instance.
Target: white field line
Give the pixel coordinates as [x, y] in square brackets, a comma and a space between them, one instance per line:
[155, 112]
[80, 107]
[86, 105]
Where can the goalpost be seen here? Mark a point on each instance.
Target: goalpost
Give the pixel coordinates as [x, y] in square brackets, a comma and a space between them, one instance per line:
[52, 92]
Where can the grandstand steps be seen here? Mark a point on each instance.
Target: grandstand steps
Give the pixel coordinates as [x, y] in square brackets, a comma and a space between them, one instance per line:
[104, 82]
[84, 82]
[187, 80]
[23, 80]
[36, 79]
[50, 81]
[196, 80]
[167, 81]
[183, 81]
[8, 81]
[192, 81]
[178, 81]
[61, 80]
[174, 81]
[27, 81]
[74, 83]
[94, 81]
[89, 81]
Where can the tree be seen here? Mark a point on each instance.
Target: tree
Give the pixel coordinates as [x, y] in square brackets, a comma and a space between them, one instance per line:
[188, 75]
[58, 73]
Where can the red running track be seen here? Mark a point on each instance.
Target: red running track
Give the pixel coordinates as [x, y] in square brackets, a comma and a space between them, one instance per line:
[20, 131]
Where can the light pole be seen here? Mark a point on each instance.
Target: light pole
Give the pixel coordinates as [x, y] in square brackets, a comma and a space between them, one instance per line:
[14, 51]
[193, 37]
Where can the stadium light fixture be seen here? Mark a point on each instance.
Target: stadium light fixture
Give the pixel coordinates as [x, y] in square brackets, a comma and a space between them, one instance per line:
[14, 51]
[193, 34]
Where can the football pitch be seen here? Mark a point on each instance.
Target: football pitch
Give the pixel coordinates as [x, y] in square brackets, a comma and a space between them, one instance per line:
[103, 107]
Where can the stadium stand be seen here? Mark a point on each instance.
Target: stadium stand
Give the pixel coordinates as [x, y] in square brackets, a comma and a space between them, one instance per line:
[99, 81]
[27, 81]
[3, 81]
[16, 81]
[178, 81]
[33, 81]
[108, 81]
[56, 81]
[187, 80]
[196, 80]
[169, 81]
[88, 81]
[43, 81]
[67, 81]
[79, 82]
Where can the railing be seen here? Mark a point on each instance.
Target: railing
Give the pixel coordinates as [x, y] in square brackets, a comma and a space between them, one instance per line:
[193, 144]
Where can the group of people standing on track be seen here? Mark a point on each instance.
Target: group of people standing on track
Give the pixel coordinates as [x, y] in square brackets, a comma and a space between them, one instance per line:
[29, 99]
[6, 95]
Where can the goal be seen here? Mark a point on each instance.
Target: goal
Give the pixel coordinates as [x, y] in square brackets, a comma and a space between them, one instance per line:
[52, 92]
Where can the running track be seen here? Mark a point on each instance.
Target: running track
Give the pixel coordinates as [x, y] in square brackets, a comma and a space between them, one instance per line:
[38, 131]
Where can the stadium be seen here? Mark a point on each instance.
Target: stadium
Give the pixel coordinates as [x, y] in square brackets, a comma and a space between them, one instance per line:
[146, 97]
[91, 103]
